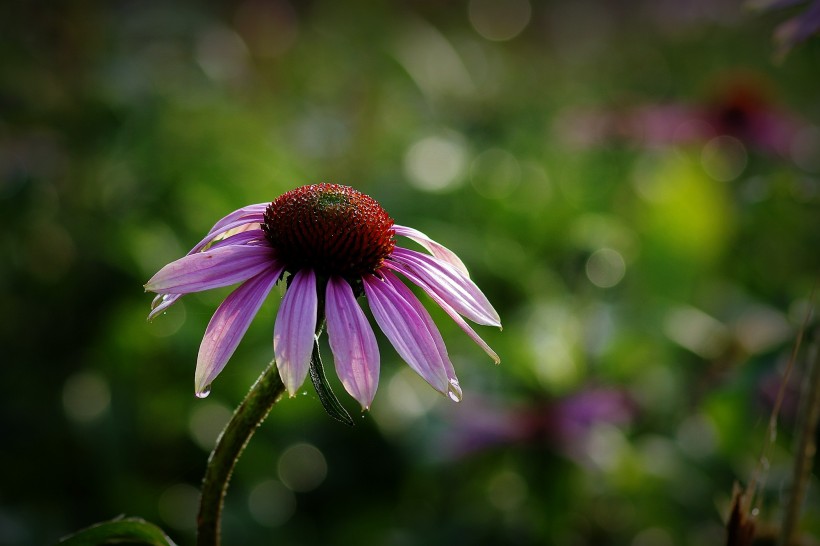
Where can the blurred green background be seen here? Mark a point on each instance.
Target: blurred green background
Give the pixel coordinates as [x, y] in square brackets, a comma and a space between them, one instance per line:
[634, 185]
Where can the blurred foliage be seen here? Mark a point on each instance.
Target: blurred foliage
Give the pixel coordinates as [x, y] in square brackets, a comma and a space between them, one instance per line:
[648, 232]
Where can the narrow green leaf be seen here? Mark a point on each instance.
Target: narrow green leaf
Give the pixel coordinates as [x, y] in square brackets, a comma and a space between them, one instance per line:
[329, 401]
[120, 530]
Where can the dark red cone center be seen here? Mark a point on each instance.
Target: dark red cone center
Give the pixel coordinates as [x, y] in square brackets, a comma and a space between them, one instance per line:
[332, 229]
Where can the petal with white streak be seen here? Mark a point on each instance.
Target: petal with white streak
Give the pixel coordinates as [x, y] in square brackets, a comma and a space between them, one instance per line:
[251, 217]
[249, 236]
[238, 225]
[247, 215]
[436, 249]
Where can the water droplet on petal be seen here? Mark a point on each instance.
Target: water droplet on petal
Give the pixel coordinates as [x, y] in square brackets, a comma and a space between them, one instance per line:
[159, 300]
[454, 391]
[204, 392]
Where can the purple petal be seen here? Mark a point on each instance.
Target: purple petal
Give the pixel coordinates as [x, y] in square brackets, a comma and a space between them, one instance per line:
[238, 225]
[250, 236]
[221, 266]
[246, 218]
[295, 330]
[250, 214]
[407, 328]
[451, 312]
[435, 276]
[438, 250]
[229, 324]
[352, 341]
[453, 388]
[161, 303]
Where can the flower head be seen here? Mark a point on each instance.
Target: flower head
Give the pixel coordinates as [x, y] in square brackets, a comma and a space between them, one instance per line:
[334, 244]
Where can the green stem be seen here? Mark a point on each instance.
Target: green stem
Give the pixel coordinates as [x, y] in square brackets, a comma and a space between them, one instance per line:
[267, 390]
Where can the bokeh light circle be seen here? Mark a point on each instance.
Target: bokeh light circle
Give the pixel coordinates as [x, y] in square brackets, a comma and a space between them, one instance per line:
[500, 20]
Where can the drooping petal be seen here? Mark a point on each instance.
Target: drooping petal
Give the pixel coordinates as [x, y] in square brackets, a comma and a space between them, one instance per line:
[407, 330]
[453, 387]
[352, 341]
[221, 266]
[229, 324]
[295, 329]
[252, 236]
[161, 303]
[450, 311]
[458, 291]
[436, 249]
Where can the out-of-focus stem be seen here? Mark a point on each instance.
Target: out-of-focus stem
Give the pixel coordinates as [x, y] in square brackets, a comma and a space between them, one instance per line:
[806, 447]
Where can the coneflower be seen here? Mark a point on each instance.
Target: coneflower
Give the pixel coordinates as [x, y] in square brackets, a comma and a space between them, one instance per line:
[333, 244]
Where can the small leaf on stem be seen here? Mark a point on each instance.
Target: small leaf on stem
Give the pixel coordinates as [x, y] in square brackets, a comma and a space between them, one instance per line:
[329, 401]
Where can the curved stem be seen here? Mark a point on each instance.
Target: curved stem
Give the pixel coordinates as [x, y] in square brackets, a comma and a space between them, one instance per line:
[267, 390]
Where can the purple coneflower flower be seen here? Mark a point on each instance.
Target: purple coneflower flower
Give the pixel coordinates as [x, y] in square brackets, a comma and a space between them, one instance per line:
[336, 244]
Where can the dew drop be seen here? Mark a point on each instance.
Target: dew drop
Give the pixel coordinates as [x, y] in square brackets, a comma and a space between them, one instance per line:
[159, 300]
[454, 391]
[204, 392]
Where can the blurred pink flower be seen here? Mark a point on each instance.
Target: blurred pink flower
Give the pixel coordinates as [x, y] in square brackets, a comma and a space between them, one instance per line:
[741, 107]
[564, 424]
[795, 30]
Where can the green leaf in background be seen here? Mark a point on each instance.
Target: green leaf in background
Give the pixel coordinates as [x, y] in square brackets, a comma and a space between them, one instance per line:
[121, 530]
